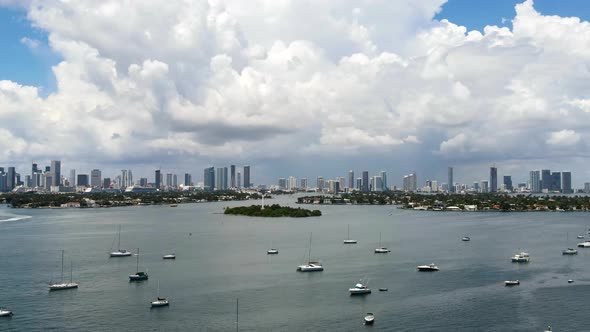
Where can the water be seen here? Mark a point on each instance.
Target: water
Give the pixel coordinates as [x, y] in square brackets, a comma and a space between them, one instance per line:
[225, 259]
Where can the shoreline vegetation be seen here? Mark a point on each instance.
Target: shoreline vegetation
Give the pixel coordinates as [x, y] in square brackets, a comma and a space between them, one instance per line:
[103, 200]
[272, 211]
[457, 202]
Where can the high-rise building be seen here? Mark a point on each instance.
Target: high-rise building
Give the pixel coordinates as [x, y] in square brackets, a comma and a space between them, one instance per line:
[493, 179]
[174, 181]
[56, 170]
[129, 178]
[157, 179]
[239, 182]
[95, 178]
[247, 182]
[351, 179]
[169, 183]
[555, 181]
[221, 179]
[292, 183]
[320, 183]
[209, 179]
[106, 183]
[11, 178]
[450, 178]
[187, 179]
[535, 181]
[365, 181]
[376, 183]
[508, 182]
[434, 186]
[232, 173]
[410, 182]
[34, 168]
[282, 183]
[383, 181]
[28, 181]
[225, 178]
[484, 186]
[566, 182]
[546, 180]
[72, 178]
[303, 183]
[359, 183]
[124, 179]
[341, 183]
[143, 182]
[587, 187]
[82, 180]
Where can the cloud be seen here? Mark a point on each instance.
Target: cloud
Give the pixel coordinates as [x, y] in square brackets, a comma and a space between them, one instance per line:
[563, 138]
[33, 44]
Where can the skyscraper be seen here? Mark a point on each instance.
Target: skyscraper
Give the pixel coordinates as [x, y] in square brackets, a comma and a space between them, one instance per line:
[535, 181]
[484, 186]
[239, 182]
[82, 180]
[129, 178]
[56, 170]
[320, 183]
[72, 178]
[365, 181]
[303, 183]
[451, 183]
[232, 175]
[493, 179]
[124, 179]
[209, 179]
[410, 182]
[95, 178]
[219, 180]
[157, 179]
[383, 181]
[546, 179]
[566, 182]
[359, 183]
[508, 183]
[187, 179]
[11, 178]
[106, 183]
[351, 179]
[247, 183]
[169, 183]
[556, 181]
[34, 169]
[225, 179]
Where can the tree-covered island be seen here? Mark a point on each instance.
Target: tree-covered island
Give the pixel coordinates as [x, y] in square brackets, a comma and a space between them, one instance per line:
[274, 210]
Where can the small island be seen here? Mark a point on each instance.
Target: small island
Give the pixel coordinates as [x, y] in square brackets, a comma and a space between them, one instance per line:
[273, 211]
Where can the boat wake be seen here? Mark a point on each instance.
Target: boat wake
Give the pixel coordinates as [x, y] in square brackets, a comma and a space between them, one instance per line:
[13, 218]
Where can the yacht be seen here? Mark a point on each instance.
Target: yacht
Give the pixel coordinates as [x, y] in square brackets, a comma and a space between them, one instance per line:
[272, 251]
[120, 252]
[380, 249]
[348, 239]
[569, 251]
[63, 285]
[369, 318]
[310, 266]
[5, 312]
[466, 238]
[169, 256]
[428, 268]
[580, 236]
[570, 281]
[360, 288]
[511, 282]
[160, 301]
[585, 244]
[523, 257]
[138, 276]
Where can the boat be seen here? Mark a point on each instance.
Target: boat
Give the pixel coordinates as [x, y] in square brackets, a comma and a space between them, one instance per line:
[348, 239]
[138, 276]
[5, 312]
[569, 251]
[585, 244]
[380, 249]
[169, 256]
[272, 251]
[428, 268]
[570, 281]
[466, 238]
[383, 289]
[160, 301]
[173, 205]
[369, 318]
[310, 266]
[120, 252]
[580, 236]
[522, 257]
[360, 288]
[63, 285]
[511, 282]
[548, 329]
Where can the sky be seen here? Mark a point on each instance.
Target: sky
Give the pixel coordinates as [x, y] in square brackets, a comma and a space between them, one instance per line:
[302, 88]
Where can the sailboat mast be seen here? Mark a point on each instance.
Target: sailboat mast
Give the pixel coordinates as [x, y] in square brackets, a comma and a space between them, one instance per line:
[309, 257]
[62, 266]
[237, 315]
[348, 237]
[119, 243]
[71, 271]
[137, 260]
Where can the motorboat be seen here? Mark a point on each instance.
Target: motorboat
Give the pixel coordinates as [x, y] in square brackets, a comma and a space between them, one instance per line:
[569, 251]
[522, 257]
[311, 266]
[381, 250]
[585, 244]
[428, 268]
[383, 289]
[570, 281]
[511, 282]
[169, 256]
[580, 236]
[120, 252]
[272, 252]
[160, 301]
[138, 276]
[369, 318]
[466, 238]
[548, 329]
[348, 239]
[360, 288]
[5, 312]
[63, 285]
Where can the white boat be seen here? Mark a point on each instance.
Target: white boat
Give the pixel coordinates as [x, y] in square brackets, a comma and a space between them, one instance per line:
[120, 252]
[585, 244]
[310, 266]
[5, 312]
[522, 257]
[580, 236]
[569, 251]
[428, 268]
[360, 288]
[272, 251]
[63, 285]
[512, 282]
[570, 281]
[169, 256]
[160, 301]
[138, 276]
[548, 329]
[380, 249]
[348, 239]
[369, 318]
[466, 238]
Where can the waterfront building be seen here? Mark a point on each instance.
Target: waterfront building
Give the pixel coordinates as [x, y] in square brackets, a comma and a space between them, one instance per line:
[168, 180]
[383, 181]
[359, 183]
[476, 186]
[72, 178]
[239, 182]
[333, 186]
[219, 179]
[484, 186]
[292, 183]
[11, 178]
[188, 179]
[587, 187]
[351, 179]
[508, 183]
[450, 178]
[209, 179]
[376, 184]
[232, 173]
[546, 180]
[56, 172]
[566, 182]
[434, 186]
[174, 181]
[157, 179]
[282, 183]
[320, 183]
[556, 181]
[225, 178]
[95, 178]
[82, 180]
[493, 179]
[247, 182]
[303, 183]
[410, 182]
[535, 181]
[106, 183]
[365, 187]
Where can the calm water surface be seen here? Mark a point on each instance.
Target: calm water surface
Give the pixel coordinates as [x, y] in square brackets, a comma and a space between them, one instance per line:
[225, 259]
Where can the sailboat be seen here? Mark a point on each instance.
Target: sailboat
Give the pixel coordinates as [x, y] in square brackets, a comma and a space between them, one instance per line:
[348, 239]
[120, 252]
[569, 251]
[64, 285]
[310, 266]
[138, 276]
[380, 249]
[160, 301]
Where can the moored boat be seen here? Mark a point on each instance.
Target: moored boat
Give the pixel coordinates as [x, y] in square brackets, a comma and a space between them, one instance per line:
[585, 244]
[466, 238]
[427, 268]
[348, 239]
[311, 266]
[511, 282]
[138, 276]
[160, 301]
[380, 249]
[360, 288]
[522, 257]
[120, 252]
[369, 318]
[5, 312]
[569, 251]
[63, 285]
[169, 256]
[272, 251]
